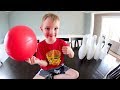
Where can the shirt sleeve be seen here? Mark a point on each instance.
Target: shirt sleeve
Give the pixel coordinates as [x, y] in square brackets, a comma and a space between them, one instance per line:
[65, 43]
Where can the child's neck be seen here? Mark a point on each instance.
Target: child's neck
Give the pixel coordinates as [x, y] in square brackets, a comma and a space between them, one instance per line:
[50, 41]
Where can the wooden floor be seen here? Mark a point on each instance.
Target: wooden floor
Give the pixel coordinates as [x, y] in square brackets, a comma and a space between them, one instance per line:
[92, 69]
[88, 69]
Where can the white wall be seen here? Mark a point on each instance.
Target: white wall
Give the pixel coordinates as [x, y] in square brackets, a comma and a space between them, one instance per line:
[72, 22]
[87, 23]
[29, 18]
[3, 25]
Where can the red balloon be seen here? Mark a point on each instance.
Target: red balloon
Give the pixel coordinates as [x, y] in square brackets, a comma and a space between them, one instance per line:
[20, 43]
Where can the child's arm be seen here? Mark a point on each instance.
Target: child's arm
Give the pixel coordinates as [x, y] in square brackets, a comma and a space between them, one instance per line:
[35, 60]
[68, 51]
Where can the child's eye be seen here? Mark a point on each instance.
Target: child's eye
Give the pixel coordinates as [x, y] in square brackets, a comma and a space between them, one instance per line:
[47, 28]
[55, 28]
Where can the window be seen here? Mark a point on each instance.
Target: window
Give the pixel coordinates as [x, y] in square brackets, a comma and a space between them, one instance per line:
[111, 27]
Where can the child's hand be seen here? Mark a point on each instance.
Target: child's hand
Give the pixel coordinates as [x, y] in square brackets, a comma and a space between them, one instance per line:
[33, 60]
[66, 50]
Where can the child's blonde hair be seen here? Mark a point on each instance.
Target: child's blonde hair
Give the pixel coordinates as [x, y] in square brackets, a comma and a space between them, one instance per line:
[54, 17]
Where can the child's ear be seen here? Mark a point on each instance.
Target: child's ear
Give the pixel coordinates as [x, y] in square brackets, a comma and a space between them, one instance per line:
[40, 27]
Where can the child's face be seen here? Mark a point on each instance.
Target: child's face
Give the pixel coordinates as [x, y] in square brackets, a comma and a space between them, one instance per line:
[50, 28]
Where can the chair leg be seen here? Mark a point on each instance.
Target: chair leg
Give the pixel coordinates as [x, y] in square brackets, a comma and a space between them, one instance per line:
[77, 43]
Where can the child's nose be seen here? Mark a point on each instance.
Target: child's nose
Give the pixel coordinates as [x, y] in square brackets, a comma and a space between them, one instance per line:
[51, 31]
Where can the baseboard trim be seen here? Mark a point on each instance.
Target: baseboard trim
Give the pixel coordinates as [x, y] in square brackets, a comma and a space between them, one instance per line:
[114, 54]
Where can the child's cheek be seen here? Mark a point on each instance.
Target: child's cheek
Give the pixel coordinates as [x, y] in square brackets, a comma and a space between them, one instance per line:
[47, 35]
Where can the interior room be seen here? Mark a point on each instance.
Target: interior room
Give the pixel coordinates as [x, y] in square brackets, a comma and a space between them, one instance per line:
[94, 37]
